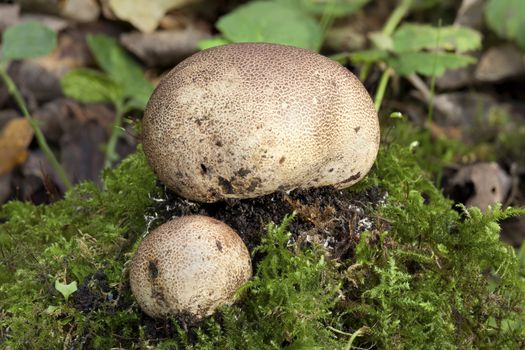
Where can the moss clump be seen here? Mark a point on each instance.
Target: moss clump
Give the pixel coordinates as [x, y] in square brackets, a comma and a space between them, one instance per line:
[427, 275]
[80, 238]
[440, 277]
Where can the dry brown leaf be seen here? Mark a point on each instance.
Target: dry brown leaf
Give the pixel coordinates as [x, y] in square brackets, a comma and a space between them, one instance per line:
[481, 184]
[15, 137]
[9, 14]
[164, 48]
[470, 14]
[145, 15]
[80, 10]
[445, 132]
[500, 63]
[5, 187]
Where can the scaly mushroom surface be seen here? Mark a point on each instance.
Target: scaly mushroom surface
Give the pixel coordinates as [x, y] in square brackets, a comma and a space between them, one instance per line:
[245, 120]
[189, 265]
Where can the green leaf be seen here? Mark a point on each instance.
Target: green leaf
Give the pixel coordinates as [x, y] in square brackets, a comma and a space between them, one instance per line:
[273, 22]
[212, 42]
[381, 41]
[51, 310]
[335, 8]
[414, 37]
[507, 19]
[66, 289]
[369, 56]
[90, 86]
[421, 5]
[124, 70]
[27, 40]
[428, 63]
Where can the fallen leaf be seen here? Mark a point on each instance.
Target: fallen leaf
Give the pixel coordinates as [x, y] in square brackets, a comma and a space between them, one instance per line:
[164, 48]
[462, 109]
[35, 81]
[479, 185]
[82, 153]
[86, 130]
[180, 19]
[15, 137]
[51, 118]
[470, 14]
[80, 10]
[80, 131]
[6, 115]
[445, 132]
[39, 6]
[500, 63]
[513, 231]
[5, 187]
[9, 14]
[145, 15]
[457, 78]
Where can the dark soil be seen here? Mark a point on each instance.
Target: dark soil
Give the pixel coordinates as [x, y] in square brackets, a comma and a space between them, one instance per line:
[93, 292]
[327, 216]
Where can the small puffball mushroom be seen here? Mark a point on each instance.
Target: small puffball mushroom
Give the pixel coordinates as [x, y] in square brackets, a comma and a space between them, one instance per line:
[245, 120]
[189, 265]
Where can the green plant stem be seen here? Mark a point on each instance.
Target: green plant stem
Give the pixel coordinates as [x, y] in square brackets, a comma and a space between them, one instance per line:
[327, 18]
[396, 16]
[433, 81]
[116, 131]
[42, 143]
[365, 69]
[359, 333]
[383, 83]
[388, 29]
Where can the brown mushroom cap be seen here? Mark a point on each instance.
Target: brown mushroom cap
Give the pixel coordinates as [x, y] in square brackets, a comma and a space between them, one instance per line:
[190, 265]
[245, 120]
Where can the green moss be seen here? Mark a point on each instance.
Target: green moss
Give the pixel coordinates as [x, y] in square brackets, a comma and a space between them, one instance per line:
[440, 276]
[88, 231]
[434, 276]
[288, 302]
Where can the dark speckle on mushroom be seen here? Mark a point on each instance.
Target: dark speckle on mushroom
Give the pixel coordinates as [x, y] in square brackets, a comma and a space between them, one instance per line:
[225, 185]
[153, 271]
[242, 172]
[254, 184]
[353, 177]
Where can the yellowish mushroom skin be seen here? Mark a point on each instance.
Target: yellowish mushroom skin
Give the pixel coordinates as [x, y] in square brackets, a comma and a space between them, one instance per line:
[190, 265]
[245, 120]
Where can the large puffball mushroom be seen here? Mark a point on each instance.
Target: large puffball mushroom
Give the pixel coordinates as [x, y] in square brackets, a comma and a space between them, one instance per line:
[189, 265]
[245, 120]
